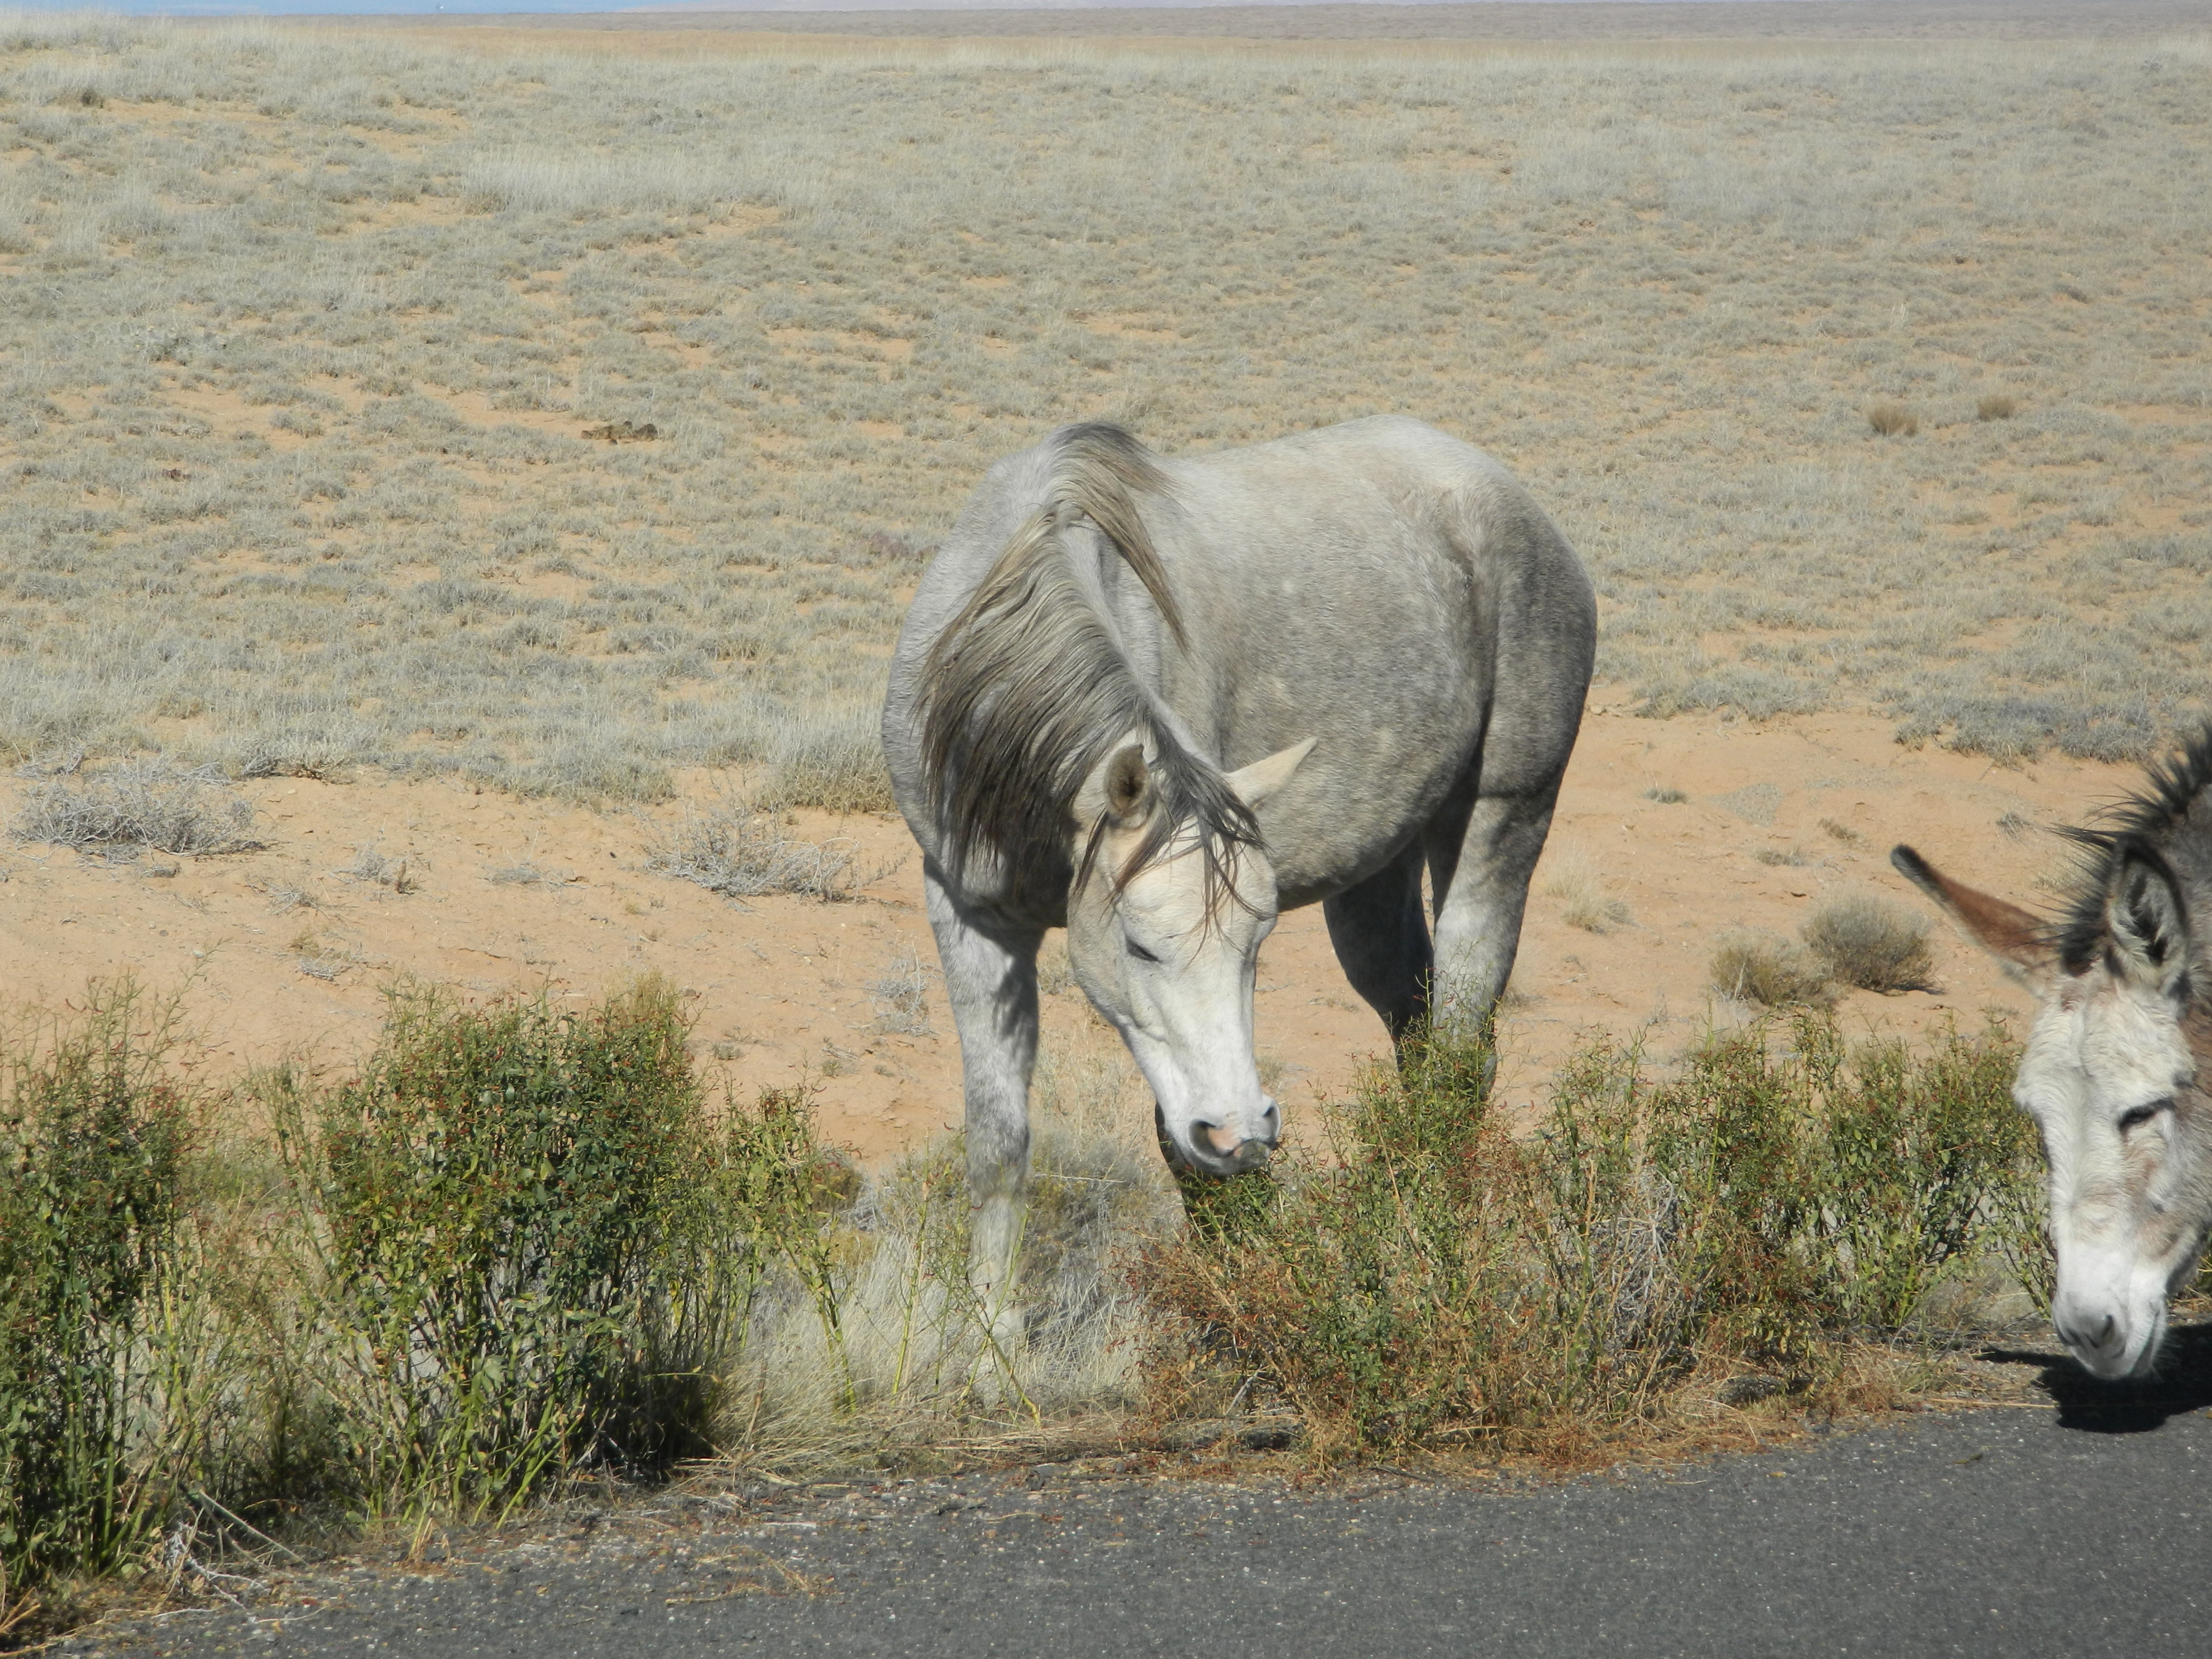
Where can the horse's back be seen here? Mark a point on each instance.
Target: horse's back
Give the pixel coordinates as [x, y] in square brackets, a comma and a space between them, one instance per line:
[1378, 585]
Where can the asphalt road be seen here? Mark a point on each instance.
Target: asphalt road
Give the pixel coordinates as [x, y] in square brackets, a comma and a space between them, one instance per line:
[2013, 1532]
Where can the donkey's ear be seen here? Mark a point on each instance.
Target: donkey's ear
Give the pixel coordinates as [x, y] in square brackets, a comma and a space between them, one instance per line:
[1121, 788]
[2019, 942]
[1254, 784]
[2147, 921]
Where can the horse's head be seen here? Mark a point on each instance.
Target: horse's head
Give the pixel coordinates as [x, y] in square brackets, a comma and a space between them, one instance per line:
[1165, 923]
[2112, 1076]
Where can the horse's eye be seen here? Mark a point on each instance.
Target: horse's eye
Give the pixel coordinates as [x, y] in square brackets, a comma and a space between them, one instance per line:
[1140, 952]
[2136, 1116]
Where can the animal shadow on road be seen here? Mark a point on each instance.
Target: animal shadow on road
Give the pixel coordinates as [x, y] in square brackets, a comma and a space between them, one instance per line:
[2182, 1383]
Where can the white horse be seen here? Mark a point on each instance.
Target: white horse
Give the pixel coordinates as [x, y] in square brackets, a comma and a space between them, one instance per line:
[1155, 700]
[2116, 1069]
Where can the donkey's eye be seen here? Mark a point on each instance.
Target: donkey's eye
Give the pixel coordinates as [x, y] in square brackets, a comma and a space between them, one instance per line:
[1140, 952]
[2137, 1115]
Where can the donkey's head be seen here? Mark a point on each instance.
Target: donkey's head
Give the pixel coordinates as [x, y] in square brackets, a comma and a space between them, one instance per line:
[1164, 920]
[2114, 1075]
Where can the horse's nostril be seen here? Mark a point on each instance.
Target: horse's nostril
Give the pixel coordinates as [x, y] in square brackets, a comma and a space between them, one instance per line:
[1215, 1137]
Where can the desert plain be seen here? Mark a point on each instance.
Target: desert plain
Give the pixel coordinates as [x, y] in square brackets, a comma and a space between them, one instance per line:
[1868, 373]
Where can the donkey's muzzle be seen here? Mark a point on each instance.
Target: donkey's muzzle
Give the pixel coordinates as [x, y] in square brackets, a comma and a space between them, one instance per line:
[2100, 1344]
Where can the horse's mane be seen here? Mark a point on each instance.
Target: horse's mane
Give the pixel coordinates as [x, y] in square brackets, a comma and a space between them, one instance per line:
[2151, 820]
[1026, 691]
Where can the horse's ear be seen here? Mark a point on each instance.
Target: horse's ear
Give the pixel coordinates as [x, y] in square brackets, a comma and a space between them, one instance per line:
[2019, 942]
[1121, 789]
[2147, 919]
[1255, 783]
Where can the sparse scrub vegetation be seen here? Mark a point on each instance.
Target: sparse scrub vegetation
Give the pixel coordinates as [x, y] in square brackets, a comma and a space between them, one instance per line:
[1995, 406]
[520, 1244]
[1450, 1285]
[288, 506]
[140, 804]
[1871, 942]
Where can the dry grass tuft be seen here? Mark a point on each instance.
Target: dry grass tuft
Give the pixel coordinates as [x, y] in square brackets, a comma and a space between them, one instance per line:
[739, 850]
[1995, 406]
[1768, 970]
[142, 804]
[1892, 420]
[1871, 942]
[1665, 795]
[1583, 901]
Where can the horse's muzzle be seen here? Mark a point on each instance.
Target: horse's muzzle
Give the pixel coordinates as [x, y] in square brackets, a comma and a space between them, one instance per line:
[1250, 1155]
[1206, 1153]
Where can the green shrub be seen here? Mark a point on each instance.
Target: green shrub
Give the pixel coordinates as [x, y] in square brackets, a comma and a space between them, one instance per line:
[93, 1134]
[1840, 1183]
[506, 1201]
[1449, 1281]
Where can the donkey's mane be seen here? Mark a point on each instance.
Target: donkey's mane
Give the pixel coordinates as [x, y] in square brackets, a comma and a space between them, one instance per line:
[2147, 822]
[1027, 691]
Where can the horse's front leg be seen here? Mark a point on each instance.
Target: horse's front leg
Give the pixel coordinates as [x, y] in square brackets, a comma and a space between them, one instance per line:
[990, 978]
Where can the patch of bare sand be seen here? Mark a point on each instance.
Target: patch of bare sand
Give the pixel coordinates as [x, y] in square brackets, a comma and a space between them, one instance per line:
[283, 950]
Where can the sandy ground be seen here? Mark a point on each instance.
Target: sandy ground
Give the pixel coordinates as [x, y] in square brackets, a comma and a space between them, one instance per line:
[279, 951]
[694, 27]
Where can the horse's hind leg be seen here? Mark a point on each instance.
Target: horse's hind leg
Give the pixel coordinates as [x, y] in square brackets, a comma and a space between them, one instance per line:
[1382, 939]
[990, 979]
[1481, 882]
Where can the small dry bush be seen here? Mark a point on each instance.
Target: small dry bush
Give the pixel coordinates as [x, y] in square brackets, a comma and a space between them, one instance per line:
[1893, 421]
[738, 848]
[1871, 942]
[1450, 1283]
[1996, 407]
[152, 803]
[901, 995]
[1769, 971]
